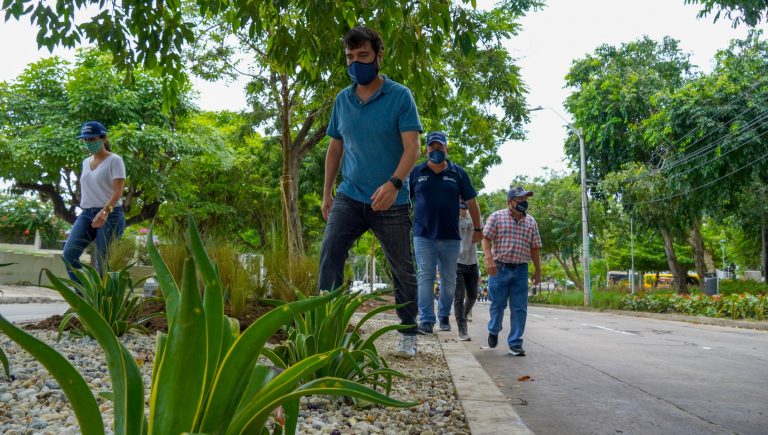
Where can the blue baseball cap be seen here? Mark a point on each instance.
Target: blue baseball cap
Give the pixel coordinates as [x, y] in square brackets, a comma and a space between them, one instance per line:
[517, 192]
[92, 129]
[437, 136]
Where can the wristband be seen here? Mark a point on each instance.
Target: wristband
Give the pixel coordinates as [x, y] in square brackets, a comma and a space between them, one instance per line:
[479, 230]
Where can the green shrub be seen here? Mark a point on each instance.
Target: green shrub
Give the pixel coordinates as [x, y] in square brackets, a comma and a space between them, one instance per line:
[329, 327]
[743, 306]
[284, 277]
[602, 299]
[206, 376]
[235, 276]
[734, 287]
[121, 253]
[110, 296]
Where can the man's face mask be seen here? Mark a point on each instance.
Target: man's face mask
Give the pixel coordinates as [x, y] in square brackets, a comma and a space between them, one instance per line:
[94, 146]
[521, 206]
[363, 73]
[437, 156]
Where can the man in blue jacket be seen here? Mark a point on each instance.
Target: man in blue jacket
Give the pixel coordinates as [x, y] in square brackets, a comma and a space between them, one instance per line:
[437, 187]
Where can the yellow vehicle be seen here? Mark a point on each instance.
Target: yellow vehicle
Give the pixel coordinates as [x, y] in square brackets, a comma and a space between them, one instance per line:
[665, 280]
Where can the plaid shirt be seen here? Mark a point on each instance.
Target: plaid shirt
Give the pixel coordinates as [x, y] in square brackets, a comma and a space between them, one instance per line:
[511, 239]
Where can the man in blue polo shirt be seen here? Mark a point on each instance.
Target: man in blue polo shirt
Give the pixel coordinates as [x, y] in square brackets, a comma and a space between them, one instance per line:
[437, 186]
[374, 130]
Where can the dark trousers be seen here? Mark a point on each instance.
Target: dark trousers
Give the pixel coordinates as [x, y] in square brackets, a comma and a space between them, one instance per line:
[350, 219]
[467, 277]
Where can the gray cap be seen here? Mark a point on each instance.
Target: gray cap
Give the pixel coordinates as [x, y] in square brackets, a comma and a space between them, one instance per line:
[518, 191]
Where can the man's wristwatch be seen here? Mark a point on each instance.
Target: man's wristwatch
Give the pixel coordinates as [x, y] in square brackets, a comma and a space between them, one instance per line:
[398, 183]
[479, 230]
[108, 208]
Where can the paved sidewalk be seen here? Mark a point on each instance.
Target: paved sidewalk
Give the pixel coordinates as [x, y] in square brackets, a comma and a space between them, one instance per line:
[28, 294]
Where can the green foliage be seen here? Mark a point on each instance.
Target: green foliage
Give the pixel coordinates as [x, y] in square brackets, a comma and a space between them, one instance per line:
[240, 279]
[749, 12]
[203, 359]
[5, 364]
[285, 279]
[734, 306]
[236, 276]
[43, 108]
[21, 216]
[614, 89]
[734, 287]
[111, 297]
[601, 299]
[329, 327]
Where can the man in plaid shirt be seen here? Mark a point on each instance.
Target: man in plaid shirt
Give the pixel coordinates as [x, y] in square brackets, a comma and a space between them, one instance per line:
[510, 241]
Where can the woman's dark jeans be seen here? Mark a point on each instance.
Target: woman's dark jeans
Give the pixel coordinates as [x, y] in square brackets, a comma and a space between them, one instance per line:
[350, 219]
[82, 234]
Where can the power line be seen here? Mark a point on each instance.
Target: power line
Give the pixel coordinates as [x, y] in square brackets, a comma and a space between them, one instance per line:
[707, 148]
[651, 201]
[722, 109]
[744, 142]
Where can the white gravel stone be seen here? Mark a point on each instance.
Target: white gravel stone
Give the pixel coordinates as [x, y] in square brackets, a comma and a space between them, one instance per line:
[33, 402]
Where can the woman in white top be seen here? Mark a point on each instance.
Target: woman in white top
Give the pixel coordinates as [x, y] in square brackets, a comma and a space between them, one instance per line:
[101, 186]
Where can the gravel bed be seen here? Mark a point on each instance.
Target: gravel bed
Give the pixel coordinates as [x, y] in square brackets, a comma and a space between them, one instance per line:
[33, 403]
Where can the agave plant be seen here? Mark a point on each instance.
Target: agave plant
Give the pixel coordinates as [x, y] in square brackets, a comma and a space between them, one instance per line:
[329, 327]
[111, 296]
[206, 376]
[3, 356]
[5, 363]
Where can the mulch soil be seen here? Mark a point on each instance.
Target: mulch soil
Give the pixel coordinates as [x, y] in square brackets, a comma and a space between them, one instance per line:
[253, 311]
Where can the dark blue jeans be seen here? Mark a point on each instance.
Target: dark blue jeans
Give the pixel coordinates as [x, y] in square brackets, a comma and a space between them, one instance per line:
[350, 219]
[509, 287]
[82, 234]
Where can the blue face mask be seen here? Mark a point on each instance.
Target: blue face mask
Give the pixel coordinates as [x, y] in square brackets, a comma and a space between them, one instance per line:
[363, 73]
[437, 156]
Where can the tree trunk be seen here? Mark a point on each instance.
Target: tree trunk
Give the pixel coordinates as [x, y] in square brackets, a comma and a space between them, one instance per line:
[697, 241]
[289, 190]
[678, 272]
[569, 273]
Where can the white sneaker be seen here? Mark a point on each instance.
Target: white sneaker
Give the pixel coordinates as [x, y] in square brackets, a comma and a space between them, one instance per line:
[406, 348]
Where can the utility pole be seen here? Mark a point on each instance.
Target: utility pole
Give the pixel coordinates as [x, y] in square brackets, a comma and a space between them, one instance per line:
[632, 254]
[584, 208]
[584, 222]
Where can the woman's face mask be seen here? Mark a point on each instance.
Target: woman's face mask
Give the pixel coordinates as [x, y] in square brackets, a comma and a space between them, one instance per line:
[94, 146]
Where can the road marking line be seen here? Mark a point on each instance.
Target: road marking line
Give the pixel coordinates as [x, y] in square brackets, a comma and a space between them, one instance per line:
[609, 329]
[706, 347]
[536, 315]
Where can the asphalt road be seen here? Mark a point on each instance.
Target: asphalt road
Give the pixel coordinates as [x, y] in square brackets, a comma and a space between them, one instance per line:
[596, 373]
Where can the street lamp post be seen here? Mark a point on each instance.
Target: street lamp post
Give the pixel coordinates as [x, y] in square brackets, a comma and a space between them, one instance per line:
[584, 208]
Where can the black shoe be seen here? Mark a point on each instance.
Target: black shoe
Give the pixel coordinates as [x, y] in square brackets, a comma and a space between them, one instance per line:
[425, 328]
[493, 340]
[445, 325]
[516, 351]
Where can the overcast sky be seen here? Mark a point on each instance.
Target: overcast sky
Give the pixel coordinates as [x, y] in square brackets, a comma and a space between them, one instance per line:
[551, 38]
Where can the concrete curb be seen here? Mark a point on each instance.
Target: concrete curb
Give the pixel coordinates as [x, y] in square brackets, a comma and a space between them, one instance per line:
[29, 300]
[485, 407]
[700, 320]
